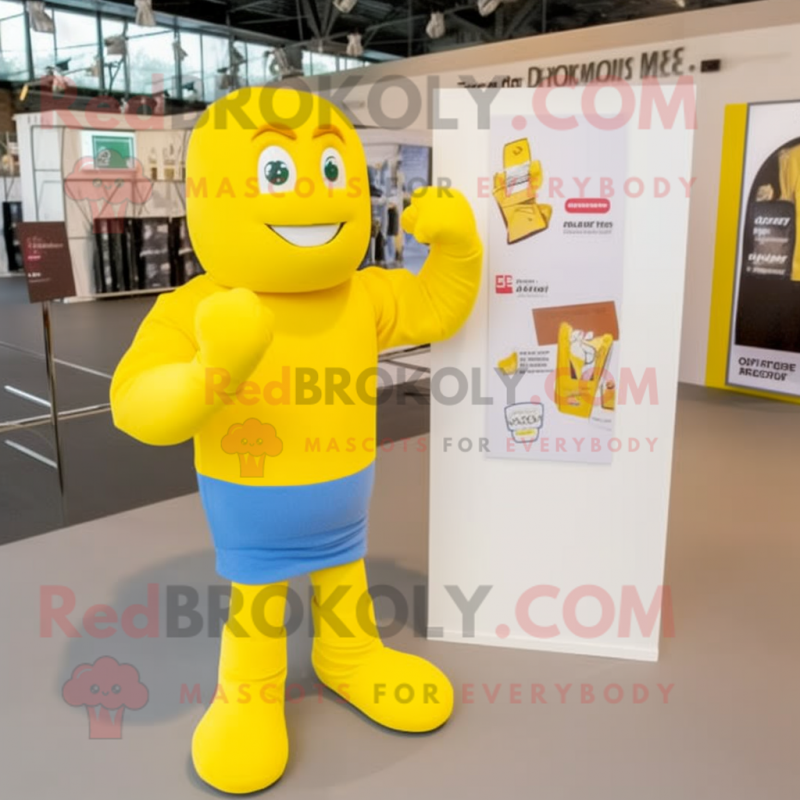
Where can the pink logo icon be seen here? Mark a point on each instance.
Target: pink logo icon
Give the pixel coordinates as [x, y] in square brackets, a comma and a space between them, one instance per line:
[106, 688]
[108, 191]
[588, 205]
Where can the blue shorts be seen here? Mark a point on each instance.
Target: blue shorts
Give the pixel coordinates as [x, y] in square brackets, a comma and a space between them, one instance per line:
[264, 534]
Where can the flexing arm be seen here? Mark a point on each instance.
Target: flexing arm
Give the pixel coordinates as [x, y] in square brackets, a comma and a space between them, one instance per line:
[158, 393]
[431, 306]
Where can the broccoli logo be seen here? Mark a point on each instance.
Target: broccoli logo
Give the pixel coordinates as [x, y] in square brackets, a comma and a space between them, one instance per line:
[106, 688]
[252, 441]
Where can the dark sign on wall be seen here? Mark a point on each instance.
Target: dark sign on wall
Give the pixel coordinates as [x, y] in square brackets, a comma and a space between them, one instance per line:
[48, 266]
[664, 64]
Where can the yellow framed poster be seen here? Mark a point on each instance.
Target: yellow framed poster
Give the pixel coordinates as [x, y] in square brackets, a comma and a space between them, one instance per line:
[754, 334]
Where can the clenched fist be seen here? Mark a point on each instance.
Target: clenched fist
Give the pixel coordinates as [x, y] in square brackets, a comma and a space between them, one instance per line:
[233, 332]
[443, 218]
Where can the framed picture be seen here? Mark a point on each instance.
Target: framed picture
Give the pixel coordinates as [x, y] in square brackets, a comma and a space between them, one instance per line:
[109, 150]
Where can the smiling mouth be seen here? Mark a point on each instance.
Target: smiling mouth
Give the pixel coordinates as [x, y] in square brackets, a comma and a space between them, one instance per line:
[307, 235]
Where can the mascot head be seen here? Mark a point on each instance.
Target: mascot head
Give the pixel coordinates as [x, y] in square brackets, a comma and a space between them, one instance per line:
[277, 193]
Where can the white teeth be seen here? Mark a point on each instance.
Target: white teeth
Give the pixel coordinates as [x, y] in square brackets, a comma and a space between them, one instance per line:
[306, 235]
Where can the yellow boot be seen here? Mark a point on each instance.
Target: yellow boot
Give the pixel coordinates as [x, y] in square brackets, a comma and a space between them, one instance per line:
[240, 744]
[397, 690]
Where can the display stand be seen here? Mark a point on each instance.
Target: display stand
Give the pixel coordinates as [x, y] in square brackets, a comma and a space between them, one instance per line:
[53, 416]
[51, 382]
[10, 192]
[52, 148]
[565, 557]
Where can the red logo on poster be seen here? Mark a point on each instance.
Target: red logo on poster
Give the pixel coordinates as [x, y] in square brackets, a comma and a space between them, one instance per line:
[504, 284]
[588, 205]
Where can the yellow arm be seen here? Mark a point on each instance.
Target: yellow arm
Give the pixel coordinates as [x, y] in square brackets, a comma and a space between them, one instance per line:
[432, 306]
[159, 392]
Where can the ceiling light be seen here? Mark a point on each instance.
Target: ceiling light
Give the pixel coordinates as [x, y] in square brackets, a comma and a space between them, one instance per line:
[116, 46]
[41, 21]
[354, 46]
[281, 59]
[144, 14]
[344, 6]
[680, 3]
[436, 27]
[96, 69]
[281, 65]
[54, 79]
[58, 83]
[486, 7]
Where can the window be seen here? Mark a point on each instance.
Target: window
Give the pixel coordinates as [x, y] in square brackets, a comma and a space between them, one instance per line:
[238, 55]
[13, 59]
[258, 59]
[215, 58]
[76, 41]
[318, 63]
[345, 62]
[192, 66]
[115, 75]
[151, 62]
[151, 59]
[43, 46]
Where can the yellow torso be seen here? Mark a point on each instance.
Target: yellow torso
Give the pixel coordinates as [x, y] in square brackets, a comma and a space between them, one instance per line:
[323, 438]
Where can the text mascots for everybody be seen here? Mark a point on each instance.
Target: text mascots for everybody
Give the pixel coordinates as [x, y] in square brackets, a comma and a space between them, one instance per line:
[279, 212]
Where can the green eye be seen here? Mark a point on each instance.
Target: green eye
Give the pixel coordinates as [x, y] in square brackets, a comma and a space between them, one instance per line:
[331, 169]
[277, 172]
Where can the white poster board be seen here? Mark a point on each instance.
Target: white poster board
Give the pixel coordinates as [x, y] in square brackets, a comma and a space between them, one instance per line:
[555, 555]
[555, 270]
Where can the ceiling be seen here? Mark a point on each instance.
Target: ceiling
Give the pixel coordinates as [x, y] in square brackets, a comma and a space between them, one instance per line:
[398, 28]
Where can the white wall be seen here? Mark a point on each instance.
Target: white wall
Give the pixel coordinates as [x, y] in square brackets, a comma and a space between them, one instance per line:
[758, 45]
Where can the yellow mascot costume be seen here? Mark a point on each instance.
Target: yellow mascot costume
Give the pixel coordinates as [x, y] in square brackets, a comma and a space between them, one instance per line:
[269, 362]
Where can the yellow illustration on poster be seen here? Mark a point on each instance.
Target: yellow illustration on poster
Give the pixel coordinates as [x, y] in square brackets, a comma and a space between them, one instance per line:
[763, 350]
[555, 261]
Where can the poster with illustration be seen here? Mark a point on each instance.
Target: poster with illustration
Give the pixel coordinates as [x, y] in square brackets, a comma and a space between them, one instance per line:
[764, 350]
[555, 261]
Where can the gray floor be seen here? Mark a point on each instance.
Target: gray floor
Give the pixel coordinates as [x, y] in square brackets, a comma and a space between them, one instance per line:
[730, 729]
[92, 334]
[105, 471]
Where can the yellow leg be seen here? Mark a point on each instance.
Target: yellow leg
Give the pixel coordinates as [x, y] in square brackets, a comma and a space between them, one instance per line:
[397, 690]
[240, 744]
